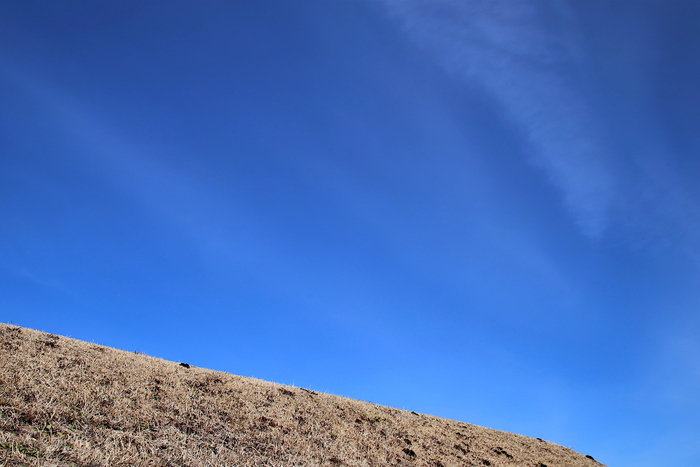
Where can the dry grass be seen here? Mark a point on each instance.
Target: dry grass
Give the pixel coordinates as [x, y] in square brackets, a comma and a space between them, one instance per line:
[68, 402]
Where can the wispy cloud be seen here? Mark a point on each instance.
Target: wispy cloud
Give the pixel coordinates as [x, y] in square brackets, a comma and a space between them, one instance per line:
[512, 52]
[207, 219]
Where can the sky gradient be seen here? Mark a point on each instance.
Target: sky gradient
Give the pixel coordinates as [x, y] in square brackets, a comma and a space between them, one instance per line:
[486, 211]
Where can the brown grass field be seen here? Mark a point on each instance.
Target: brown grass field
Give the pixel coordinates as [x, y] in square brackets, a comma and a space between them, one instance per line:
[72, 403]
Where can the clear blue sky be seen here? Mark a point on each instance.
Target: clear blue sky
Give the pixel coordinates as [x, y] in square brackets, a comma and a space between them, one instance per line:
[486, 211]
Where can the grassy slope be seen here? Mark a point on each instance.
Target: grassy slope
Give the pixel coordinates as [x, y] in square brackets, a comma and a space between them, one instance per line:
[68, 402]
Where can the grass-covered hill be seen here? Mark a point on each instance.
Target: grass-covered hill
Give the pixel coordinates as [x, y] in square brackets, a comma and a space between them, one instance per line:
[67, 402]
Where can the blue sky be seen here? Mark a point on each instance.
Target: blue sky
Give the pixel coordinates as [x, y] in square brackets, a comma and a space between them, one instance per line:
[485, 211]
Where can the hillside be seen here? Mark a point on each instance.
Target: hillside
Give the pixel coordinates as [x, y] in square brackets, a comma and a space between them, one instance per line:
[68, 402]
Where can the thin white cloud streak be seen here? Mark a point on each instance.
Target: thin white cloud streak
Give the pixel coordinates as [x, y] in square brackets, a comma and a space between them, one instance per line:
[505, 49]
[227, 235]
[217, 229]
[47, 283]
